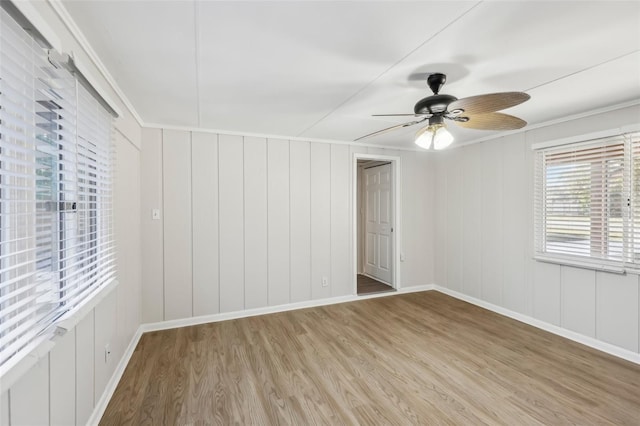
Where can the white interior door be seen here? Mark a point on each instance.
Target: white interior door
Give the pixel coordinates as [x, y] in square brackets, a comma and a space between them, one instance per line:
[378, 243]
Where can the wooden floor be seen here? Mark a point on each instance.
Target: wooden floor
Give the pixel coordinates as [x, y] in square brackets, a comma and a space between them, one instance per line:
[368, 285]
[421, 358]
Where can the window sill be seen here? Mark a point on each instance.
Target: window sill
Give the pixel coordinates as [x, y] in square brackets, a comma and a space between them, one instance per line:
[13, 370]
[69, 320]
[593, 265]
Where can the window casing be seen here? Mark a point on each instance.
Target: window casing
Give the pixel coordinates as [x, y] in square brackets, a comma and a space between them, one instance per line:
[56, 233]
[587, 202]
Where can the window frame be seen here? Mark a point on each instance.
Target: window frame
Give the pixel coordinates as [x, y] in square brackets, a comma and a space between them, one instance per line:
[630, 135]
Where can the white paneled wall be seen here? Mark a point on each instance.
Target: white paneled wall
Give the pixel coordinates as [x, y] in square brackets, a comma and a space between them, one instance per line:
[204, 183]
[231, 224]
[151, 229]
[320, 219]
[417, 196]
[256, 262]
[341, 237]
[62, 362]
[251, 222]
[484, 239]
[85, 355]
[176, 184]
[278, 235]
[515, 229]
[29, 398]
[300, 220]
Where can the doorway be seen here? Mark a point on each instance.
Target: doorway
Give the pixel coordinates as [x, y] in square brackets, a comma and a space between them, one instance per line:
[376, 224]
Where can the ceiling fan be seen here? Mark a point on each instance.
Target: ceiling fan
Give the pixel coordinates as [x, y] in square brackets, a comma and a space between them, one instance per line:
[475, 112]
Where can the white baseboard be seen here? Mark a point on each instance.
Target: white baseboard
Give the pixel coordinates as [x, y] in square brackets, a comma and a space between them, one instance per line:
[101, 404]
[204, 319]
[571, 335]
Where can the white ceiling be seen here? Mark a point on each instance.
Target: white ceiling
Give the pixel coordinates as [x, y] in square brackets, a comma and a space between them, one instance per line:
[319, 69]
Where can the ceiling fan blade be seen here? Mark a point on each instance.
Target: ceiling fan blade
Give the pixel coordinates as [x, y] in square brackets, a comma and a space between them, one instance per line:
[490, 102]
[388, 129]
[492, 121]
[399, 115]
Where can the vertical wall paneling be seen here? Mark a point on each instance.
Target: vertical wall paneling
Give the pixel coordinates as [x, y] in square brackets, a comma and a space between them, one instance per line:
[410, 218]
[105, 335]
[255, 223]
[416, 172]
[454, 247]
[529, 264]
[29, 397]
[441, 219]
[424, 198]
[279, 221]
[300, 208]
[204, 187]
[341, 280]
[472, 221]
[62, 362]
[492, 222]
[546, 293]
[617, 310]
[84, 369]
[231, 222]
[152, 230]
[578, 300]
[176, 160]
[4, 408]
[320, 220]
[514, 223]
[128, 223]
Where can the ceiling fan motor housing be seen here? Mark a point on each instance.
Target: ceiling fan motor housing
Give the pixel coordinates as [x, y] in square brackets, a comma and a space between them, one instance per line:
[434, 104]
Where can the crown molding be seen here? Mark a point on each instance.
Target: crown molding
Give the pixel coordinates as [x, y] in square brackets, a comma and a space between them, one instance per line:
[78, 35]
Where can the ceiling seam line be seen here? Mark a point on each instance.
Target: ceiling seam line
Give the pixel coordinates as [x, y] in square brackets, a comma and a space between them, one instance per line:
[196, 30]
[390, 68]
[584, 69]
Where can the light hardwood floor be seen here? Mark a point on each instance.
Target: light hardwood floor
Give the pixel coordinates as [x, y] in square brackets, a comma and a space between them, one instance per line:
[421, 358]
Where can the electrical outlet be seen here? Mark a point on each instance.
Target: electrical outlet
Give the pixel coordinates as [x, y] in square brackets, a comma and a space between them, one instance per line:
[325, 281]
[401, 257]
[107, 353]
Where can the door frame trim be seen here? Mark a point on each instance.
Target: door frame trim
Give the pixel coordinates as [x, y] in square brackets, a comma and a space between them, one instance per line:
[397, 214]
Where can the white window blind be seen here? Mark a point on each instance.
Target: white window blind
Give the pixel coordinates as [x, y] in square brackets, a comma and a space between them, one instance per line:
[587, 201]
[56, 236]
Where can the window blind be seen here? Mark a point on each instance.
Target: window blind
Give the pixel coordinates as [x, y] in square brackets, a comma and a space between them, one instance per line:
[56, 232]
[27, 189]
[87, 258]
[586, 200]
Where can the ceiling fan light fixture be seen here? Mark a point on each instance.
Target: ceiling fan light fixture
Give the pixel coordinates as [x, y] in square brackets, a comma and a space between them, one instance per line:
[442, 138]
[434, 135]
[424, 137]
